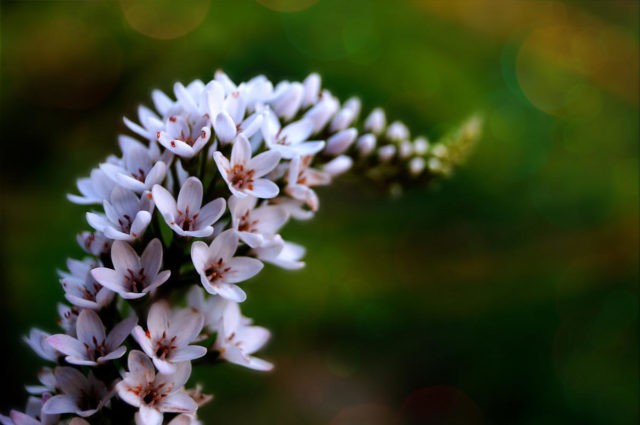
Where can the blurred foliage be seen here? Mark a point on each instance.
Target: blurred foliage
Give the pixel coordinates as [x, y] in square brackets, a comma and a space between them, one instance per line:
[506, 296]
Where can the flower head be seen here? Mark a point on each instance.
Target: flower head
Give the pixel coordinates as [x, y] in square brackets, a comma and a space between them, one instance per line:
[168, 336]
[154, 394]
[218, 268]
[243, 173]
[133, 276]
[93, 346]
[187, 216]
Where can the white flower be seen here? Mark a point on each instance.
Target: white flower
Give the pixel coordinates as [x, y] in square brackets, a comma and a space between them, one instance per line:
[81, 395]
[93, 346]
[347, 115]
[133, 276]
[243, 173]
[290, 141]
[311, 86]
[154, 394]
[185, 135]
[186, 216]
[81, 288]
[287, 99]
[94, 243]
[140, 167]
[286, 255]
[219, 270]
[237, 340]
[94, 189]
[301, 178]
[37, 340]
[253, 224]
[126, 216]
[168, 336]
[68, 317]
[294, 207]
[366, 144]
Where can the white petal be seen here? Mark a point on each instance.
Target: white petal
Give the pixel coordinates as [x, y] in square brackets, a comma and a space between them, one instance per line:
[188, 353]
[164, 201]
[241, 151]
[177, 402]
[242, 268]
[140, 223]
[297, 131]
[89, 328]
[148, 416]
[190, 196]
[152, 258]
[224, 127]
[120, 332]
[60, 404]
[124, 257]
[67, 345]
[263, 188]
[211, 212]
[199, 255]
[264, 163]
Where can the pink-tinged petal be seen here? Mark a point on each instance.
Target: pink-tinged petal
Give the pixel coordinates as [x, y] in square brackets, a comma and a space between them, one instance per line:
[242, 268]
[224, 127]
[148, 416]
[190, 196]
[259, 364]
[67, 345]
[70, 381]
[199, 255]
[269, 219]
[308, 148]
[224, 167]
[340, 142]
[120, 332]
[215, 97]
[164, 201]
[151, 259]
[89, 328]
[108, 278]
[124, 257]
[164, 367]
[223, 246]
[297, 131]
[264, 163]
[241, 151]
[140, 223]
[254, 240]
[188, 353]
[251, 125]
[184, 97]
[141, 367]
[115, 354]
[203, 138]
[177, 402]
[211, 212]
[188, 327]
[263, 188]
[228, 291]
[253, 338]
[130, 183]
[158, 319]
[80, 361]
[132, 295]
[183, 419]
[81, 302]
[60, 404]
[178, 147]
[127, 392]
[97, 221]
[143, 340]
[161, 278]
[234, 104]
[177, 379]
[156, 174]
[202, 233]
[117, 235]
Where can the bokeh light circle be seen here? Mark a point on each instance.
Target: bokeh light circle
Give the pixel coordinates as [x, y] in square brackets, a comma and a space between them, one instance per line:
[165, 19]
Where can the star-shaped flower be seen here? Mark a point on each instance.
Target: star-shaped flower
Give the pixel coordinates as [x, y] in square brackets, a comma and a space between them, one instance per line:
[133, 276]
[80, 288]
[254, 225]
[154, 394]
[301, 178]
[140, 167]
[94, 189]
[81, 395]
[291, 140]
[187, 216]
[243, 173]
[218, 268]
[93, 346]
[126, 216]
[168, 336]
[237, 340]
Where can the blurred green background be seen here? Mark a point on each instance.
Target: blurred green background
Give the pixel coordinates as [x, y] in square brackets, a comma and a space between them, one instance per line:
[507, 295]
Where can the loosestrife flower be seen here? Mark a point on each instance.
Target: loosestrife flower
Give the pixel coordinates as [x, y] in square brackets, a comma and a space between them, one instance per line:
[261, 149]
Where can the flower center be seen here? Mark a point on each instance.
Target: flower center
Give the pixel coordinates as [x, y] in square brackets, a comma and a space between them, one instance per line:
[135, 281]
[186, 221]
[125, 223]
[164, 347]
[241, 178]
[246, 225]
[216, 271]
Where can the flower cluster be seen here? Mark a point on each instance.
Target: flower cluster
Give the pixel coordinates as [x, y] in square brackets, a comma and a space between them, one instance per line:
[195, 205]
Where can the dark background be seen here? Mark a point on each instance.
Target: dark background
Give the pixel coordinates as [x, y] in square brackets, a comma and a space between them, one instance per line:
[506, 295]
